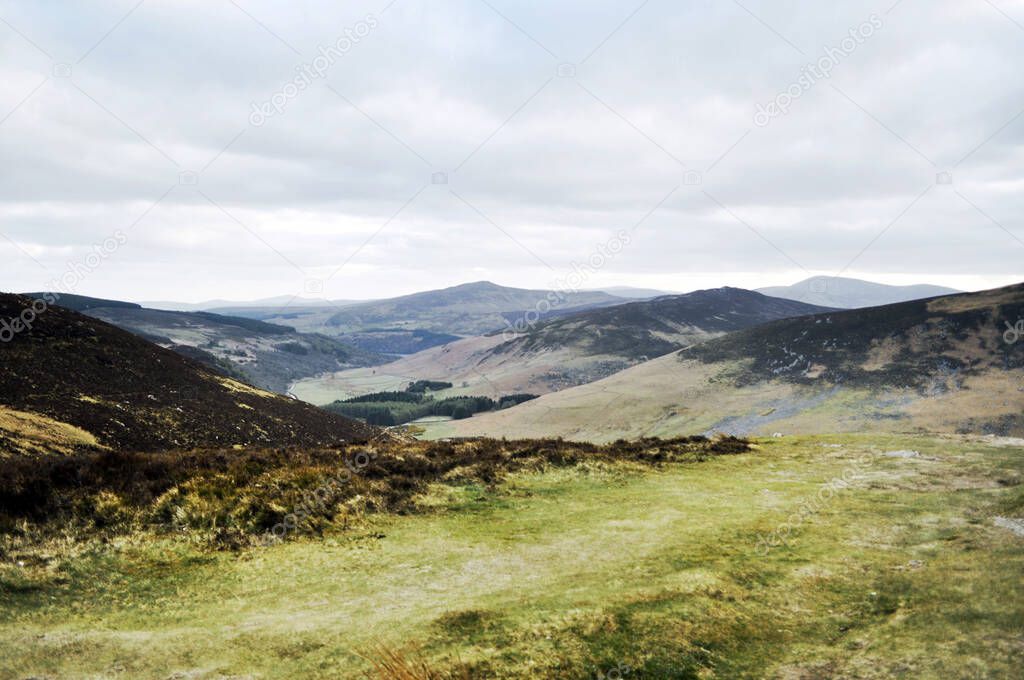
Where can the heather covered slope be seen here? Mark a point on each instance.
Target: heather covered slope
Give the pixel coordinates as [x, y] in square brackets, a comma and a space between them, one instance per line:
[913, 344]
[655, 327]
[95, 384]
[939, 365]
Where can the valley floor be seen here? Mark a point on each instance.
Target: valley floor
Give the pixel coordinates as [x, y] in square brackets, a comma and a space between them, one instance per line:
[849, 556]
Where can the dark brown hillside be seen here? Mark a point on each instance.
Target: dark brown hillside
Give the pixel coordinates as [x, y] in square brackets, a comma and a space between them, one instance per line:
[906, 345]
[651, 328]
[130, 394]
[269, 356]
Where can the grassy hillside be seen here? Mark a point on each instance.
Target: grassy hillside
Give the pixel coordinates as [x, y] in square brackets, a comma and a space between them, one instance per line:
[119, 391]
[940, 365]
[806, 558]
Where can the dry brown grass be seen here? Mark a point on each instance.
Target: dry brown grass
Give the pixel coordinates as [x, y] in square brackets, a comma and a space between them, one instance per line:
[235, 386]
[965, 303]
[23, 433]
[390, 663]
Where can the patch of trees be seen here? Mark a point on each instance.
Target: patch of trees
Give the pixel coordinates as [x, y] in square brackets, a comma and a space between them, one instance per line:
[378, 397]
[423, 386]
[397, 408]
[294, 348]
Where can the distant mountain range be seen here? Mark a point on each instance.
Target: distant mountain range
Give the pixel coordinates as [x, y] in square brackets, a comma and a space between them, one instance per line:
[833, 291]
[411, 323]
[828, 291]
[580, 347]
[228, 306]
[469, 309]
[942, 365]
[267, 355]
[72, 382]
[563, 339]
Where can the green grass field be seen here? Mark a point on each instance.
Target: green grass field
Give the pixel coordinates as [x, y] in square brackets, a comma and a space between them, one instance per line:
[583, 572]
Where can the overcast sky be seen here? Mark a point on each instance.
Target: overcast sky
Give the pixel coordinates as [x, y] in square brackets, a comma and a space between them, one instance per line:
[558, 125]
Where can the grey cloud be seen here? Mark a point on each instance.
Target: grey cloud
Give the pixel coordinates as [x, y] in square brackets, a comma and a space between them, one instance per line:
[559, 169]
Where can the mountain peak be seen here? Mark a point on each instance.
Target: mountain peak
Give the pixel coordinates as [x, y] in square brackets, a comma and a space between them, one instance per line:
[478, 285]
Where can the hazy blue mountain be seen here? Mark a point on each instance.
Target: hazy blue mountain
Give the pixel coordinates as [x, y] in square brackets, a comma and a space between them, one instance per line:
[636, 293]
[834, 291]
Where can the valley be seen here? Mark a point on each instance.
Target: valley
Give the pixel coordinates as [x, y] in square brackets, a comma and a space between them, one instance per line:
[498, 340]
[412, 323]
[783, 497]
[566, 351]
